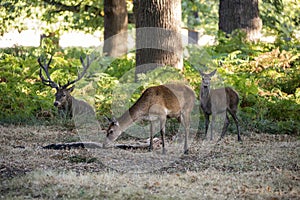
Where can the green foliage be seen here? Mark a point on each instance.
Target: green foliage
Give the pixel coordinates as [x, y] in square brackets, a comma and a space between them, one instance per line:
[191, 75]
[58, 15]
[281, 17]
[266, 75]
[267, 79]
[104, 93]
[118, 67]
[200, 14]
[22, 94]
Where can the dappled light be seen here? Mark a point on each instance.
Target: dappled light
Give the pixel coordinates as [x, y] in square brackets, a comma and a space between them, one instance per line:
[122, 99]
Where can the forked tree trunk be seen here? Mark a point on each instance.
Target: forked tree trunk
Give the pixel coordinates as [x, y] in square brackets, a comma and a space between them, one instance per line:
[242, 15]
[158, 38]
[115, 28]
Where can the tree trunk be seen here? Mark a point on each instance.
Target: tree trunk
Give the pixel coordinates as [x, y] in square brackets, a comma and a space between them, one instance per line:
[242, 15]
[158, 34]
[115, 28]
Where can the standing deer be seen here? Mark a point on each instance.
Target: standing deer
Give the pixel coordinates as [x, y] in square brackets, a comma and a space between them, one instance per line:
[218, 101]
[67, 105]
[156, 104]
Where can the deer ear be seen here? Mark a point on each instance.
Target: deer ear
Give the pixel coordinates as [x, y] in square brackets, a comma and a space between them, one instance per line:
[71, 89]
[201, 73]
[114, 121]
[220, 63]
[213, 73]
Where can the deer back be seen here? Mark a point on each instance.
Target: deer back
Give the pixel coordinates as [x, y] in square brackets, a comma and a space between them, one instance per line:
[232, 98]
[219, 100]
[169, 98]
[81, 110]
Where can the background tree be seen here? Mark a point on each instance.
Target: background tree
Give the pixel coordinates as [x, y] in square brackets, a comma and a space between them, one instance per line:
[158, 35]
[241, 15]
[115, 27]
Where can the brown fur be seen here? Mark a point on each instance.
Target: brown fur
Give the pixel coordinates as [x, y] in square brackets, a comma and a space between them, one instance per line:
[68, 106]
[157, 103]
[212, 103]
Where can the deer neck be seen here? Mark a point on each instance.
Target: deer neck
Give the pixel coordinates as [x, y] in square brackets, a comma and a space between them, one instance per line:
[70, 102]
[125, 121]
[130, 116]
[68, 105]
[205, 92]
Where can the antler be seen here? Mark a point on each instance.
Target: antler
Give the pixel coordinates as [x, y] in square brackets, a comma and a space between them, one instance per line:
[85, 67]
[45, 67]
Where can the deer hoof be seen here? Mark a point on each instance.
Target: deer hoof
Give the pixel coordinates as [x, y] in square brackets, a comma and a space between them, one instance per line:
[186, 152]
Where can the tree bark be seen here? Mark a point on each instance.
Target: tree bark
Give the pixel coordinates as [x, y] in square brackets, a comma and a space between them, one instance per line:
[115, 28]
[242, 15]
[158, 37]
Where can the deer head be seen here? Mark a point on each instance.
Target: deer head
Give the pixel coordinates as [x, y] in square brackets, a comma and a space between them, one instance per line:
[63, 96]
[114, 129]
[206, 78]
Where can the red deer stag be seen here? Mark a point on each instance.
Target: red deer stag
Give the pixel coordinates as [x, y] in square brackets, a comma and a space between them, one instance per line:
[218, 101]
[67, 105]
[156, 104]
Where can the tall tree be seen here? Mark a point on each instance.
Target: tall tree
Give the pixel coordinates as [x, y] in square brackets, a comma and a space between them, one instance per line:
[115, 27]
[158, 38]
[242, 15]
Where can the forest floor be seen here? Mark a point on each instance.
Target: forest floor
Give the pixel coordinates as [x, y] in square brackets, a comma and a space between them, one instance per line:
[264, 166]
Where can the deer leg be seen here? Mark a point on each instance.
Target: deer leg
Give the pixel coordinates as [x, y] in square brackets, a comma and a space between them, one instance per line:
[225, 126]
[206, 124]
[162, 132]
[185, 119]
[199, 125]
[211, 126]
[233, 114]
[151, 135]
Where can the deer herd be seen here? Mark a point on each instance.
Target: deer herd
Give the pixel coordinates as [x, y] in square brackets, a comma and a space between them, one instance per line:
[155, 104]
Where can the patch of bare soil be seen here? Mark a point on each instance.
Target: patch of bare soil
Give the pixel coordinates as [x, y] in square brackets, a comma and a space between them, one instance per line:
[264, 166]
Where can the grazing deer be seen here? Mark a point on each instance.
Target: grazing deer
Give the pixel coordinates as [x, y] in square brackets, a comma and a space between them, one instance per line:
[218, 101]
[67, 105]
[156, 104]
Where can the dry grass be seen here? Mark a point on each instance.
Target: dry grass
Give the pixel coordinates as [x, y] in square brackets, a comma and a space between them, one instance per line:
[263, 167]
